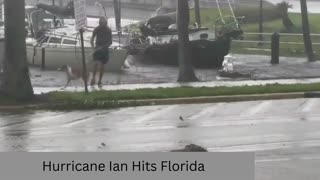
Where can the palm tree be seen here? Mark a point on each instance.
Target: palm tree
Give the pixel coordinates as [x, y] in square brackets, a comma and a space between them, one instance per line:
[306, 31]
[16, 81]
[283, 10]
[186, 72]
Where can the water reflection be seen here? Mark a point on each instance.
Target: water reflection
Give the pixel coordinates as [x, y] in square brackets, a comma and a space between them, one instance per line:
[14, 130]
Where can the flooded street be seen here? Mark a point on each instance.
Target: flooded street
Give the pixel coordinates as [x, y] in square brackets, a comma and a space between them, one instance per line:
[283, 133]
[257, 66]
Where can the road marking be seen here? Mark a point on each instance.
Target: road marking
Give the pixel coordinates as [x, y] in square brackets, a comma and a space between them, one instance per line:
[205, 112]
[262, 106]
[151, 115]
[310, 105]
[77, 121]
[285, 143]
[287, 159]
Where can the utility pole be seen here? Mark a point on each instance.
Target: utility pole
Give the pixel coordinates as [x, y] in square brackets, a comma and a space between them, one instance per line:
[261, 22]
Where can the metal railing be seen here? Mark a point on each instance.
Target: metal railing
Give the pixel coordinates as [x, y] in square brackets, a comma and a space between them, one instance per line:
[270, 34]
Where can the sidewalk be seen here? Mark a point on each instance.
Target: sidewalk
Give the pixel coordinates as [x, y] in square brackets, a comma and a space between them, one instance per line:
[40, 90]
[142, 75]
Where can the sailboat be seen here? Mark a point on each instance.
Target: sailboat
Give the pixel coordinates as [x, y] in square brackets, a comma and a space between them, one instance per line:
[159, 41]
[55, 44]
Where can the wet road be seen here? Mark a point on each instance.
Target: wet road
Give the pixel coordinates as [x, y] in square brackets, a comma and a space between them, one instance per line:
[284, 133]
[142, 73]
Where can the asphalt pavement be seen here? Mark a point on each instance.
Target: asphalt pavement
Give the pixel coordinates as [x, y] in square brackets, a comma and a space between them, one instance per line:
[283, 133]
[141, 72]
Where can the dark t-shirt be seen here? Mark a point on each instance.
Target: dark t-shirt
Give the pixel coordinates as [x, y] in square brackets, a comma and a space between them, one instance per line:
[103, 36]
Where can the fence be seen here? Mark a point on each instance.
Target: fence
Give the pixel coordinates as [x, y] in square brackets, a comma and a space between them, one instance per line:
[270, 34]
[291, 44]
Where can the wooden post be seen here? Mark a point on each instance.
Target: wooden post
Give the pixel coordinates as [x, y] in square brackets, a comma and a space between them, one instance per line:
[43, 59]
[275, 48]
[84, 66]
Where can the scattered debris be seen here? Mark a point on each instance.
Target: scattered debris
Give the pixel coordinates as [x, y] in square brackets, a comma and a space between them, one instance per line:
[234, 74]
[191, 148]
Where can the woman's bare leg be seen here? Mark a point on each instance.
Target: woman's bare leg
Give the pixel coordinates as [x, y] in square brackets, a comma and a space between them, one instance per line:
[95, 67]
[101, 72]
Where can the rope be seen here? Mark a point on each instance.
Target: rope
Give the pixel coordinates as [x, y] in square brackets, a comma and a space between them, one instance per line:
[232, 12]
[220, 11]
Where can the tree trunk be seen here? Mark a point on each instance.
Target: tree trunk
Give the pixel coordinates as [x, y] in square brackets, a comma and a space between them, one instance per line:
[186, 72]
[197, 12]
[16, 82]
[306, 31]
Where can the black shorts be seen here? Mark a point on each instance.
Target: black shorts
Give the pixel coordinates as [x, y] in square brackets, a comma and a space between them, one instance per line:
[101, 54]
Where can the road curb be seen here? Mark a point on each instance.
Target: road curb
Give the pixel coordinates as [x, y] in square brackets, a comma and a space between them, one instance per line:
[217, 99]
[22, 107]
[312, 95]
[172, 101]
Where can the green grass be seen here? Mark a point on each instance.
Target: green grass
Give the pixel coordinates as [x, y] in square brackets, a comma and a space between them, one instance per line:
[111, 99]
[125, 98]
[179, 92]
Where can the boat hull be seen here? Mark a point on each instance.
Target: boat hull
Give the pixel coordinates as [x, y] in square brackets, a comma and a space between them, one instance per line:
[55, 57]
[204, 53]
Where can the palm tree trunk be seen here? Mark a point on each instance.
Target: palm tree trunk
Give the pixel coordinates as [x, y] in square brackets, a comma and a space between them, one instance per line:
[306, 31]
[17, 82]
[197, 12]
[186, 72]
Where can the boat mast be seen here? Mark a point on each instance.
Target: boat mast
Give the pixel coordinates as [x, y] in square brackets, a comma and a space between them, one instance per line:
[197, 13]
[117, 14]
[54, 17]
